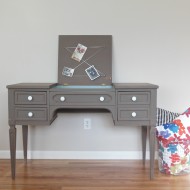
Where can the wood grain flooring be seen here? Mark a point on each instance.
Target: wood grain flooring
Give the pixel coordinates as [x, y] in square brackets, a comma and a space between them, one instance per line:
[87, 175]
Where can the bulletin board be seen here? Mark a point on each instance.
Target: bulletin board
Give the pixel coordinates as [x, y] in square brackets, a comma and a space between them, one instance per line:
[85, 60]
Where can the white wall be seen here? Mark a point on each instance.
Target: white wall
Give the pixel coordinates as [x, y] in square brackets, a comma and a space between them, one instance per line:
[151, 43]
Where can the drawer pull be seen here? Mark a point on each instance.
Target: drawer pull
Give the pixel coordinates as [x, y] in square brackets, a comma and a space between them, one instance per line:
[134, 114]
[62, 98]
[30, 98]
[134, 98]
[102, 98]
[30, 114]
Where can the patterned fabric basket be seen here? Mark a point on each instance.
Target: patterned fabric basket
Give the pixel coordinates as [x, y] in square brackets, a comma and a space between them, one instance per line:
[174, 157]
[174, 145]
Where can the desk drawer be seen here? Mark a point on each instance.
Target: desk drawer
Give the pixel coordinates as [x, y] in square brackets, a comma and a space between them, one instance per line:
[133, 98]
[82, 99]
[35, 98]
[134, 114]
[29, 114]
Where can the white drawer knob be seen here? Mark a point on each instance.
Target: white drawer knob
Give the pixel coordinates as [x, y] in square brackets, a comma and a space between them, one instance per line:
[134, 98]
[102, 98]
[30, 98]
[62, 98]
[134, 114]
[30, 114]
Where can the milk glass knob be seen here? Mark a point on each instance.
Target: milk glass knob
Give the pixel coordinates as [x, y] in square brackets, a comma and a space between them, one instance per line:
[30, 98]
[134, 98]
[102, 98]
[30, 114]
[62, 98]
[134, 114]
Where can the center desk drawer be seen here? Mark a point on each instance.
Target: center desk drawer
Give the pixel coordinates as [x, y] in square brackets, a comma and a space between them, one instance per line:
[37, 114]
[103, 98]
[36, 98]
[133, 98]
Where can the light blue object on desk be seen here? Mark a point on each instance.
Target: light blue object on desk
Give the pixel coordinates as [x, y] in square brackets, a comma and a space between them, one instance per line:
[84, 87]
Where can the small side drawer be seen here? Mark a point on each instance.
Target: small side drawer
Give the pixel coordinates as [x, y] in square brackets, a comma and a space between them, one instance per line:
[36, 98]
[134, 114]
[37, 114]
[132, 98]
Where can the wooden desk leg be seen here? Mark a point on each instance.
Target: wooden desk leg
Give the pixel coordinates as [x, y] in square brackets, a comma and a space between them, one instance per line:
[25, 141]
[12, 138]
[152, 150]
[144, 138]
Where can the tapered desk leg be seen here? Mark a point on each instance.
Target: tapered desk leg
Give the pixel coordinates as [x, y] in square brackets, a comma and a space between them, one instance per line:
[144, 138]
[12, 137]
[152, 150]
[25, 140]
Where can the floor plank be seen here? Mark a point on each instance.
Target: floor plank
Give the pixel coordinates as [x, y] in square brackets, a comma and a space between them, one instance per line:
[87, 175]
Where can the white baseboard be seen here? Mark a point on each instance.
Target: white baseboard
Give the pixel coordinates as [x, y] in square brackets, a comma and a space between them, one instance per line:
[77, 154]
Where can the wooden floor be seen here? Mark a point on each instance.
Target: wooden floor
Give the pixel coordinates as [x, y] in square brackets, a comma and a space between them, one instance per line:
[87, 175]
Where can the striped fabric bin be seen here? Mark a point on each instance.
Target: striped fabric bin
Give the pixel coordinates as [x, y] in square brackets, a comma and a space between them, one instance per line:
[165, 116]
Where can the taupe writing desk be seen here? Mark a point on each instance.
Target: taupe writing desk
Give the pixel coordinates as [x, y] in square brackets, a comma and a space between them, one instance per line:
[132, 104]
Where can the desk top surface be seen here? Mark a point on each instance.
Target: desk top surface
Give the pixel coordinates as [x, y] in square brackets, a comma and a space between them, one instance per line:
[58, 86]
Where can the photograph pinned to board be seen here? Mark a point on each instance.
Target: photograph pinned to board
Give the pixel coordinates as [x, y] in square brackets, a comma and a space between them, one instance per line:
[68, 71]
[79, 52]
[92, 72]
